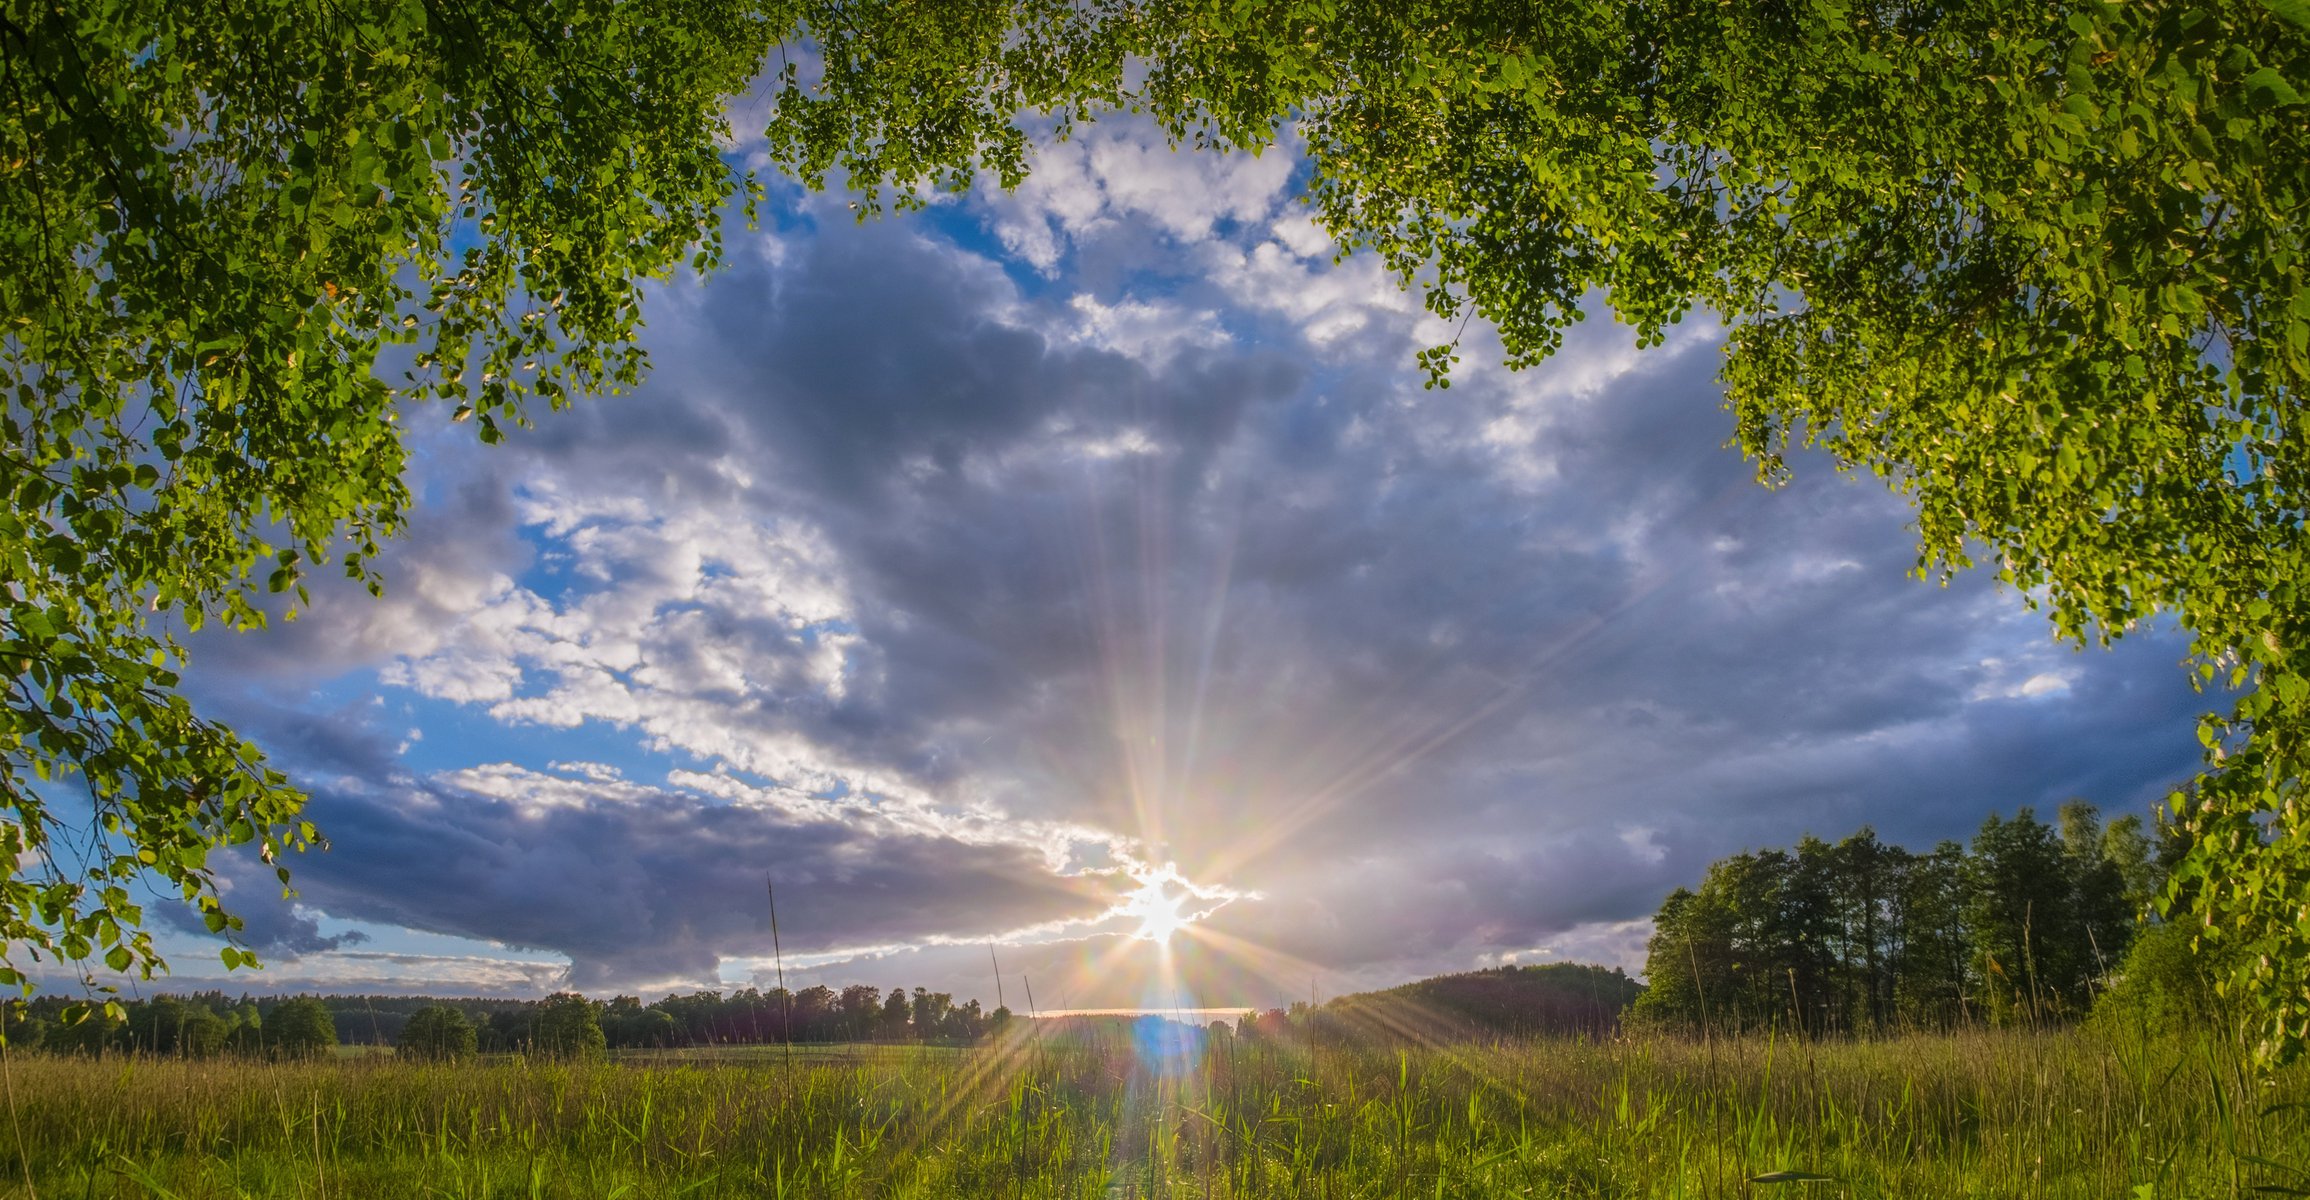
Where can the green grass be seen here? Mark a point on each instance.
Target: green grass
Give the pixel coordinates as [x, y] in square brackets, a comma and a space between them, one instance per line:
[2016, 1114]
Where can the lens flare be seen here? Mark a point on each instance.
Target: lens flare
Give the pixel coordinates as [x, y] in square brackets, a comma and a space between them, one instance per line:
[1159, 905]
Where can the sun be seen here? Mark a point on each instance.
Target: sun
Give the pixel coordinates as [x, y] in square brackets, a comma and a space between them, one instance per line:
[1157, 907]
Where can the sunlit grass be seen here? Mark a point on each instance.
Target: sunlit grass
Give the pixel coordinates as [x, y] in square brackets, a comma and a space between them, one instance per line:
[2056, 1114]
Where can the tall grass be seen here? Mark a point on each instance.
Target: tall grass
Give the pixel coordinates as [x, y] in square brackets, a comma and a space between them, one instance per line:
[1978, 1114]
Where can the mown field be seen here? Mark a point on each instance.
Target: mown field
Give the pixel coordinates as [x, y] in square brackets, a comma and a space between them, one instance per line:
[1987, 1114]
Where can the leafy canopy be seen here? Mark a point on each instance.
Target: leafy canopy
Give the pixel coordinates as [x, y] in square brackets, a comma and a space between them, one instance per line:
[243, 244]
[2038, 266]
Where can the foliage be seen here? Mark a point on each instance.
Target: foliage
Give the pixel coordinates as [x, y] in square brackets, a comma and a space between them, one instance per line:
[1862, 937]
[2006, 1114]
[244, 245]
[300, 1027]
[437, 1033]
[169, 1025]
[2040, 267]
[2165, 984]
[566, 1027]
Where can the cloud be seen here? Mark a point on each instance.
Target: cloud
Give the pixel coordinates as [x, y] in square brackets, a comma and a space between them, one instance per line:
[944, 565]
[273, 928]
[371, 973]
[652, 883]
[1118, 182]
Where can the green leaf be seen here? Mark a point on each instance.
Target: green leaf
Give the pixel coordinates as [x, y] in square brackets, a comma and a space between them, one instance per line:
[2268, 87]
[2297, 11]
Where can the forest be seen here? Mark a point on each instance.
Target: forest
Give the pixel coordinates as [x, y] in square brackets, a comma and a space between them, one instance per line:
[211, 1023]
[2032, 923]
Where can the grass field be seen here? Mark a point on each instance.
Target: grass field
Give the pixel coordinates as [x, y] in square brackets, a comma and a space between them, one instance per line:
[2027, 1115]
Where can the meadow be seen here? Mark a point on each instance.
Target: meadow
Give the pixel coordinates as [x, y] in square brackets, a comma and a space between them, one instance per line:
[2053, 1114]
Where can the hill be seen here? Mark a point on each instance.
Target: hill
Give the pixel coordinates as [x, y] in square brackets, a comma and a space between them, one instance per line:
[1552, 1000]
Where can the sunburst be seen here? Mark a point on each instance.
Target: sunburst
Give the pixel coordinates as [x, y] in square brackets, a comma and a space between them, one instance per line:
[1159, 905]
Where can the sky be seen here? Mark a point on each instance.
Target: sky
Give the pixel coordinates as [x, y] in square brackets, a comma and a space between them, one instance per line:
[1005, 581]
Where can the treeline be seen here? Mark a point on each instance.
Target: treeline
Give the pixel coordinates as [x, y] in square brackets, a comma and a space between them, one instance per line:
[2030, 923]
[210, 1023]
[1545, 1000]
[199, 1025]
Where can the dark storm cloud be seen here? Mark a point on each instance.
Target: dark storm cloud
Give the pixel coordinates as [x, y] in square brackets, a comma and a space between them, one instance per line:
[1436, 691]
[639, 884]
[1725, 666]
[269, 925]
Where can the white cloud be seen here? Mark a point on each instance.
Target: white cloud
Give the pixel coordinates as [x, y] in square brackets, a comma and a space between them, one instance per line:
[1151, 332]
[1119, 175]
[1643, 841]
[1328, 304]
[684, 624]
[1302, 236]
[2028, 677]
[1606, 943]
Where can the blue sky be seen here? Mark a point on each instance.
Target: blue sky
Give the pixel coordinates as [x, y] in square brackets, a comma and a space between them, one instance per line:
[962, 571]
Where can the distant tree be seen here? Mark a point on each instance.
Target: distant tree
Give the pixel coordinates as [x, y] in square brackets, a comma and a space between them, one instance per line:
[566, 1027]
[15, 1024]
[626, 1023]
[1932, 947]
[438, 1033]
[860, 1006]
[894, 1014]
[750, 1018]
[246, 1028]
[509, 1030]
[202, 1033]
[20, 1030]
[619, 1014]
[1672, 993]
[1868, 875]
[814, 1014]
[1811, 931]
[153, 1024]
[300, 1027]
[697, 1015]
[1748, 889]
[91, 1029]
[929, 1014]
[1864, 937]
[2022, 910]
[2098, 884]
